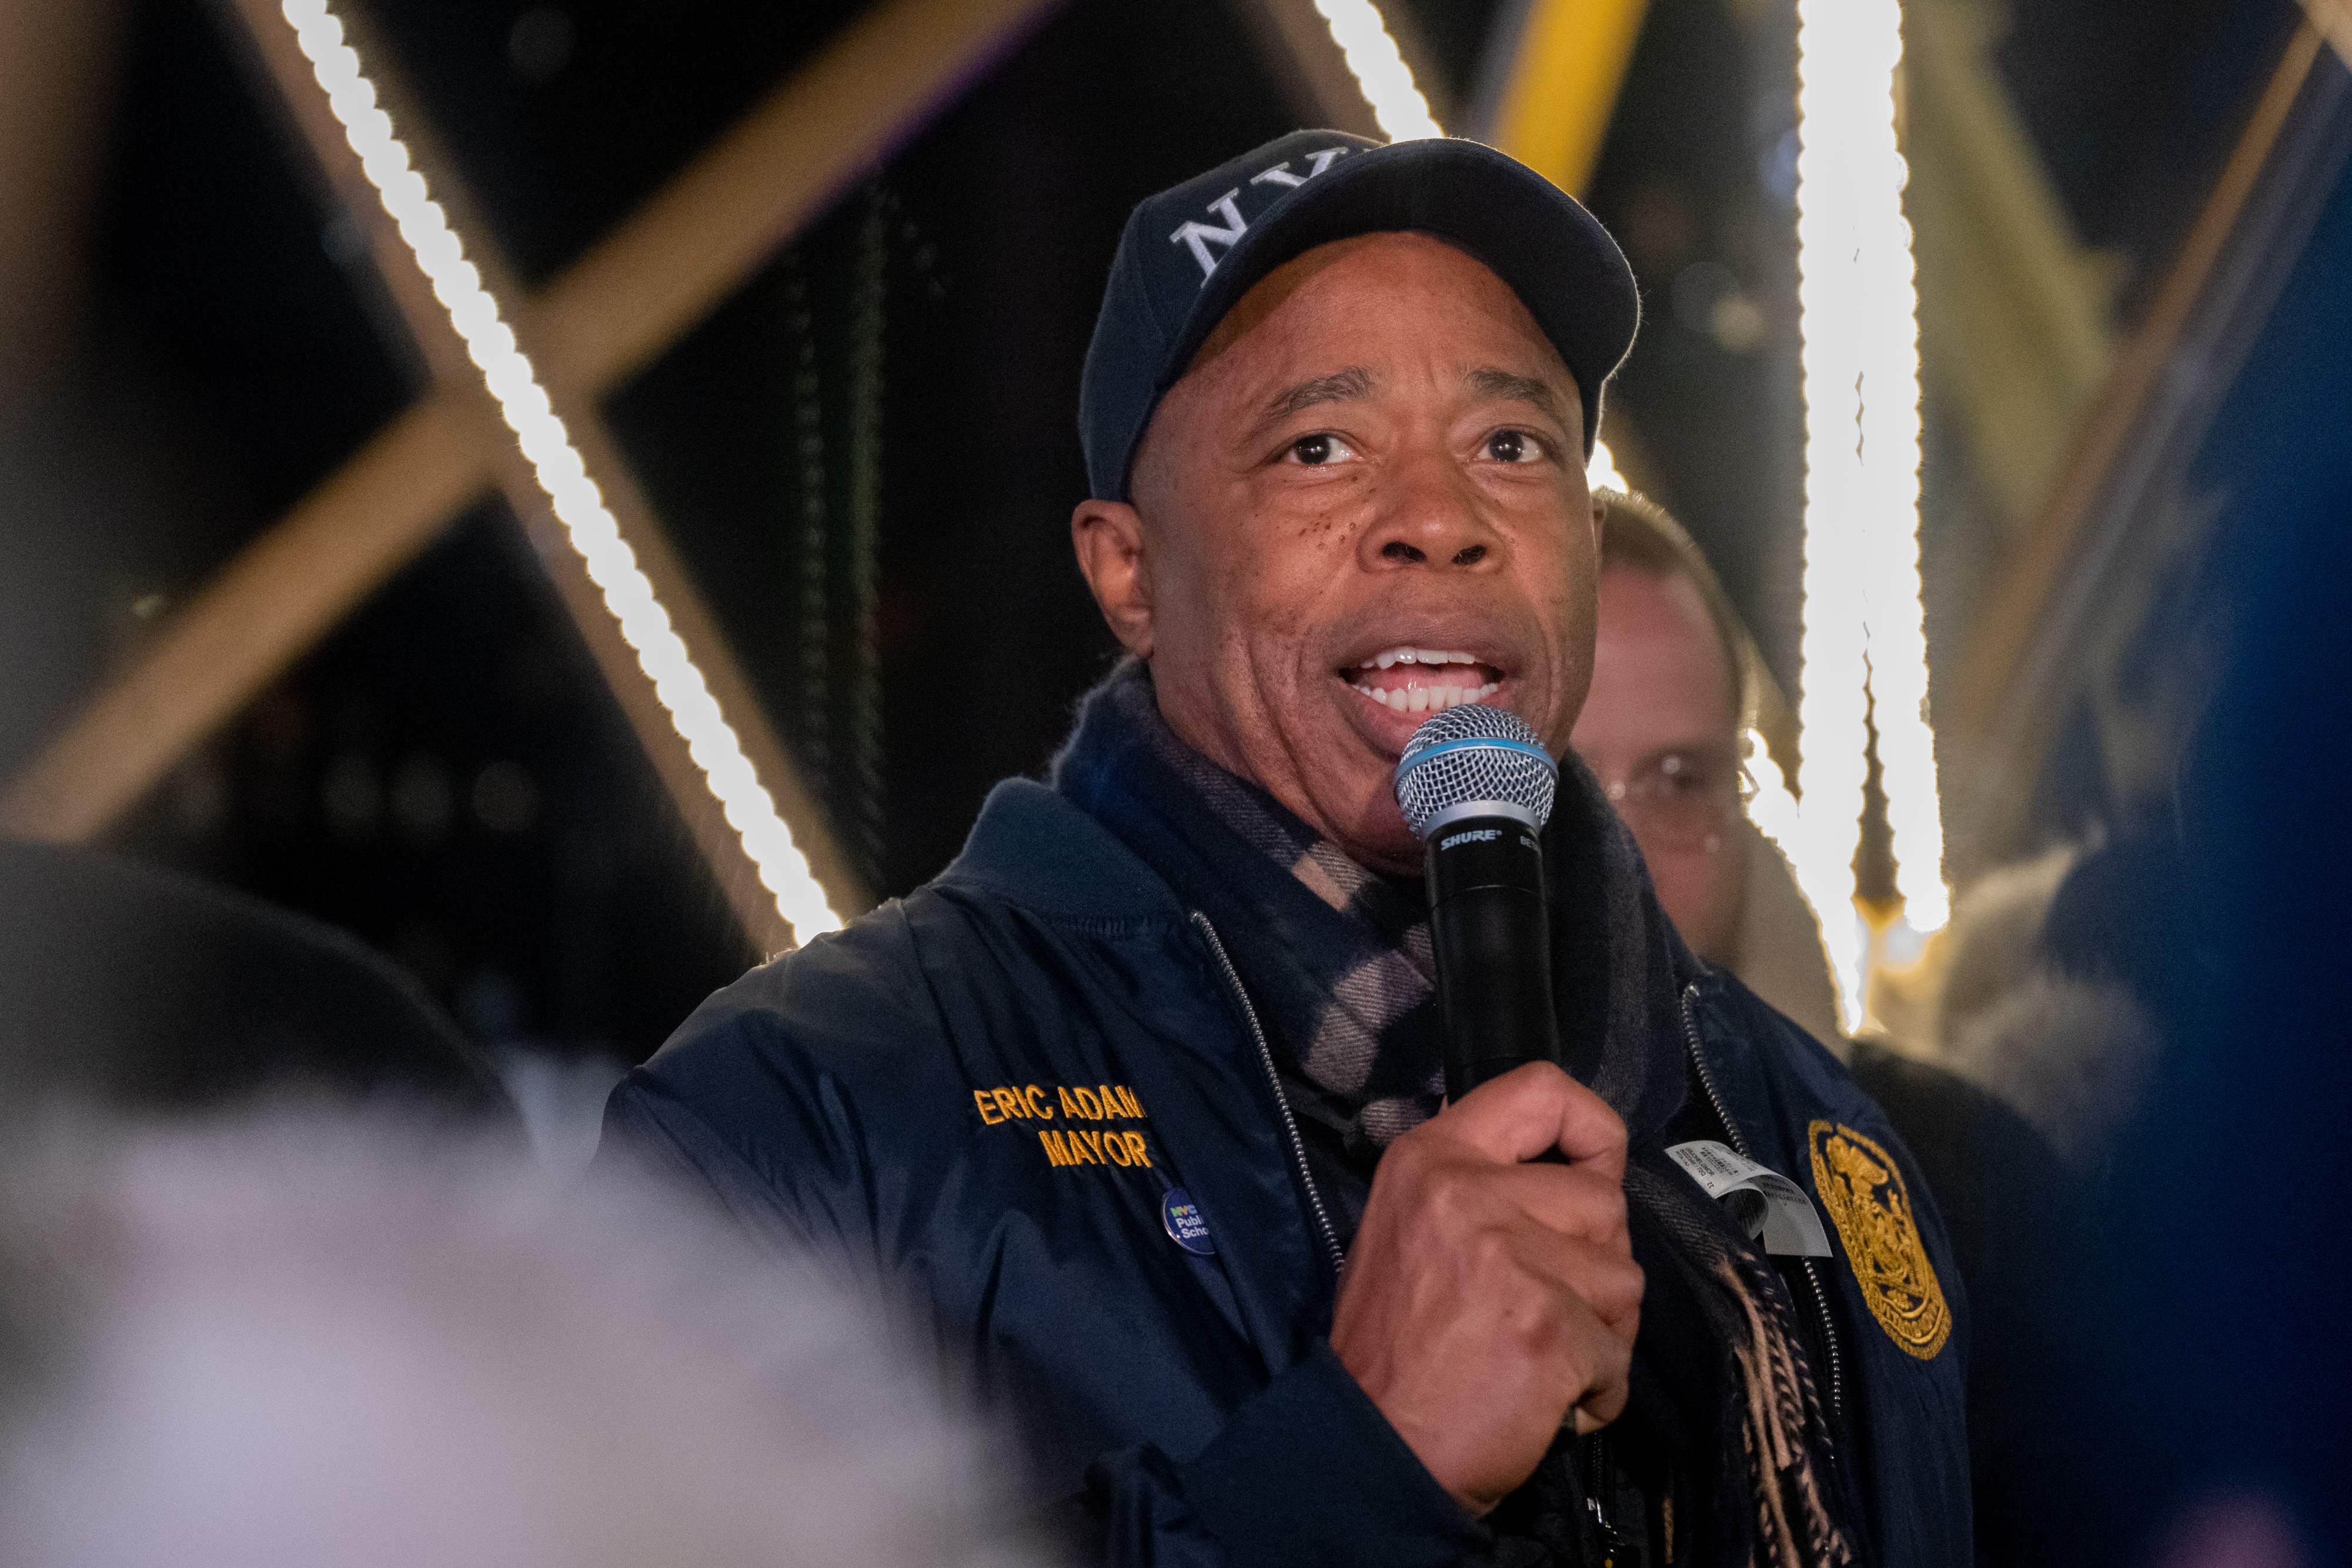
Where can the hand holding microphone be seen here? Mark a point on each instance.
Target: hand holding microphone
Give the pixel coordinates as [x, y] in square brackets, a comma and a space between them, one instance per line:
[1490, 1298]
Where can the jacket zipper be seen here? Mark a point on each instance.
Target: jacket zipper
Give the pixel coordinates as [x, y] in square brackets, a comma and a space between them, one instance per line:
[1600, 1474]
[1281, 1102]
[1739, 1146]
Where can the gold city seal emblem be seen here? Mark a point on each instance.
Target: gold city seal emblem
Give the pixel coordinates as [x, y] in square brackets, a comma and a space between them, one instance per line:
[1863, 1193]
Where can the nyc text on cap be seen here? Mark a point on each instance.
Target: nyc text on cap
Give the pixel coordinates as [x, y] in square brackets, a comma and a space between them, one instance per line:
[1189, 253]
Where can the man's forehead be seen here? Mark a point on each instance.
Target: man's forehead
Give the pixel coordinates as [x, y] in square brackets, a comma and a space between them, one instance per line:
[1655, 610]
[1402, 264]
[1340, 357]
[1355, 383]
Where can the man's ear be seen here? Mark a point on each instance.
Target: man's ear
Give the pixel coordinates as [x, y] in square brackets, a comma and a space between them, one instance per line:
[1108, 538]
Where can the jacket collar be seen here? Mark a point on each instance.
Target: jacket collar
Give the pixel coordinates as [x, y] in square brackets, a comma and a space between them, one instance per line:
[1034, 849]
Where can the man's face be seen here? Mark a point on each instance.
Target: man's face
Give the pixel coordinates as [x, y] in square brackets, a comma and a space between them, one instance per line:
[1661, 731]
[1364, 502]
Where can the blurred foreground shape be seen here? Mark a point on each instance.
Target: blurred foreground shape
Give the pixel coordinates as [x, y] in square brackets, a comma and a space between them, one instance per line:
[287, 1339]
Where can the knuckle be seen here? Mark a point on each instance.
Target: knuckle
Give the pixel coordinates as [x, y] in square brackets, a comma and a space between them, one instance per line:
[1599, 1206]
[1408, 1153]
[1600, 1189]
[1454, 1195]
[1536, 1330]
[1621, 1288]
[1489, 1254]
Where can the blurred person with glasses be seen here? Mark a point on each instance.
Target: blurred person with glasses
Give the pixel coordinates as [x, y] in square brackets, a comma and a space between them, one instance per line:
[1677, 685]
[1661, 728]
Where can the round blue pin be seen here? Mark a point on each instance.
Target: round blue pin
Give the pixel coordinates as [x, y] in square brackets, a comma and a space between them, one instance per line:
[1185, 1226]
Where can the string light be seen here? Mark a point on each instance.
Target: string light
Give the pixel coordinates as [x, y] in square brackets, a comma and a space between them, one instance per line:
[1771, 806]
[628, 593]
[1863, 626]
[1601, 471]
[1774, 812]
[1380, 69]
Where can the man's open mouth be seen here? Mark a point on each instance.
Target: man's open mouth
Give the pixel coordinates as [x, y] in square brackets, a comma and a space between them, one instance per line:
[1424, 680]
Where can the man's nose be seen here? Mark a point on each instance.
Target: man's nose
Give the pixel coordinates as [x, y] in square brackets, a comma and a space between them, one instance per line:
[1430, 515]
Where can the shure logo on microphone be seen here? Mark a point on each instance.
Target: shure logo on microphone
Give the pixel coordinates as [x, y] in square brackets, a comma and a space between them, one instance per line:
[1472, 836]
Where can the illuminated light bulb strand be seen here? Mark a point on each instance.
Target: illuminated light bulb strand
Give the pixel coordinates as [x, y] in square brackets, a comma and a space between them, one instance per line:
[1772, 807]
[1888, 432]
[1601, 471]
[1380, 69]
[1898, 633]
[556, 462]
[1863, 625]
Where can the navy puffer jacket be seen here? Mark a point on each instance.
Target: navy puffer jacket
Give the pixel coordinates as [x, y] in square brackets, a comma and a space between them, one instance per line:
[1008, 1094]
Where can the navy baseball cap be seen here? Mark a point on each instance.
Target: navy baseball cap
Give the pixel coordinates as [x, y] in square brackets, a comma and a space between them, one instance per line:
[1189, 253]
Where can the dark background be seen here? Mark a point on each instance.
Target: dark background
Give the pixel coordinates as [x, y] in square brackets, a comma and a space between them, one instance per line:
[447, 778]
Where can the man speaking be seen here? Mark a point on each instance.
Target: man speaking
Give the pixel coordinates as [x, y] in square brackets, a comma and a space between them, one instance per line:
[1140, 1102]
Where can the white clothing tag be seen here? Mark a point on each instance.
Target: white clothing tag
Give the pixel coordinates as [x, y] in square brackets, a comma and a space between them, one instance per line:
[1767, 1203]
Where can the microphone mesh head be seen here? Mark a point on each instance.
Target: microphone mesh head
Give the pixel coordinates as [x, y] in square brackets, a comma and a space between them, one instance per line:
[1473, 753]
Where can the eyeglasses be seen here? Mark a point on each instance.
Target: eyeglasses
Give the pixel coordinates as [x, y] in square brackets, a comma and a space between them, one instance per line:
[1680, 801]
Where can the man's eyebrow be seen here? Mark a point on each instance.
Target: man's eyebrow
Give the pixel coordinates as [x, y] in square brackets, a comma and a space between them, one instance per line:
[1339, 386]
[1488, 382]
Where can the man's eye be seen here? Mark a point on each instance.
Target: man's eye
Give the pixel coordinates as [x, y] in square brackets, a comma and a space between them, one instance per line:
[1513, 446]
[1314, 451]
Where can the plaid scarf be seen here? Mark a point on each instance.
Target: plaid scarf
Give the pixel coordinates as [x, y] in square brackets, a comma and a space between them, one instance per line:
[1337, 958]
[1338, 961]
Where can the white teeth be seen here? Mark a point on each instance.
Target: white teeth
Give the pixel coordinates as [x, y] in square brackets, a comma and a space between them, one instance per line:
[1385, 660]
[1429, 699]
[1432, 656]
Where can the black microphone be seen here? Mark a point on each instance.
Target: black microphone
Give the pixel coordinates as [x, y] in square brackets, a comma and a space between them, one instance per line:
[1476, 787]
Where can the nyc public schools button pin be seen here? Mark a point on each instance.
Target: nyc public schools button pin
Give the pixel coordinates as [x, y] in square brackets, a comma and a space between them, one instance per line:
[1185, 1226]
